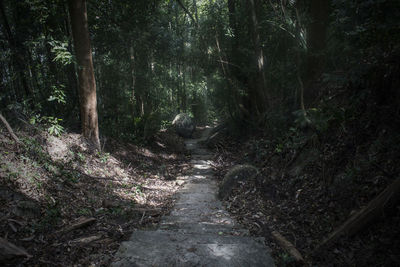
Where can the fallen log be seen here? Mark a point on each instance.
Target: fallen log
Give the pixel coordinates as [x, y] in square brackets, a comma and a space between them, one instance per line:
[289, 247]
[9, 250]
[387, 198]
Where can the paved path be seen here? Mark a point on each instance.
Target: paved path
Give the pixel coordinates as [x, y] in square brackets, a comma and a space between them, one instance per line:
[198, 231]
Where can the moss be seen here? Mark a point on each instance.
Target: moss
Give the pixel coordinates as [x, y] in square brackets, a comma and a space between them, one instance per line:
[236, 174]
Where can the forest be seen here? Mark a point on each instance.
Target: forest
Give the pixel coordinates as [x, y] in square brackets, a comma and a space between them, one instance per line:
[305, 94]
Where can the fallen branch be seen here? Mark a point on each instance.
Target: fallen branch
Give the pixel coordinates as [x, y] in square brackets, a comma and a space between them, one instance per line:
[82, 222]
[9, 129]
[141, 220]
[86, 240]
[187, 12]
[289, 247]
[9, 250]
[360, 219]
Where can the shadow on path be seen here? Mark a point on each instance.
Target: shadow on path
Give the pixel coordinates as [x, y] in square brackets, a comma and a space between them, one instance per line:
[198, 231]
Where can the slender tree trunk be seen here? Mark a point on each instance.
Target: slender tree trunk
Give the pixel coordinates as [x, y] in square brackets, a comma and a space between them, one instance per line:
[195, 10]
[236, 73]
[260, 97]
[234, 27]
[73, 91]
[87, 84]
[316, 44]
[184, 96]
[133, 80]
[17, 55]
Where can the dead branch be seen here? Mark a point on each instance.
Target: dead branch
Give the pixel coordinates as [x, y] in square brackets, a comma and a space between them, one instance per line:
[82, 222]
[366, 215]
[9, 129]
[187, 12]
[289, 247]
[9, 250]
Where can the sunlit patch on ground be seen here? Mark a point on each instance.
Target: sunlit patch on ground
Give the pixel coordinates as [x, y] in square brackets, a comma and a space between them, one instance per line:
[52, 182]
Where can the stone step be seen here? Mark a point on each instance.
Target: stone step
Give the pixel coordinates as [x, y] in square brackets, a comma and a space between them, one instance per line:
[171, 248]
[201, 151]
[205, 172]
[200, 161]
[202, 156]
[189, 212]
[201, 228]
[199, 187]
[199, 218]
[198, 231]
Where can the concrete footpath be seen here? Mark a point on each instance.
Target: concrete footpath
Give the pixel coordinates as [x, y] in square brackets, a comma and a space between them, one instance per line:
[198, 231]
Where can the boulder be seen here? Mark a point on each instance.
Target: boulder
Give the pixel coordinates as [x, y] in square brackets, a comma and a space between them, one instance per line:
[184, 125]
[235, 175]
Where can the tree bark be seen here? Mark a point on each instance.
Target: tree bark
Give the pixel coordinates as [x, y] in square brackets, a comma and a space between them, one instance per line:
[71, 72]
[260, 96]
[17, 50]
[9, 129]
[316, 44]
[195, 11]
[87, 84]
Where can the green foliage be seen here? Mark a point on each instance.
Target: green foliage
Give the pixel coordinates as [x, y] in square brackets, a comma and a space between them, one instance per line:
[138, 190]
[58, 95]
[165, 124]
[52, 124]
[81, 156]
[61, 52]
[103, 156]
[156, 63]
[84, 212]
[285, 259]
[55, 128]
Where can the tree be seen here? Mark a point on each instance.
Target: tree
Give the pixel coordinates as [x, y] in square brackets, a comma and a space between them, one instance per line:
[259, 97]
[316, 43]
[87, 84]
[17, 49]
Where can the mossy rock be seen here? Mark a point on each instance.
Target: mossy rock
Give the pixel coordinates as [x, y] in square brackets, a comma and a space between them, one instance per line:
[235, 175]
[184, 125]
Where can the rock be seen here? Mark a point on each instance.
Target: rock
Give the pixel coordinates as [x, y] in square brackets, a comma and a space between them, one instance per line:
[236, 174]
[184, 125]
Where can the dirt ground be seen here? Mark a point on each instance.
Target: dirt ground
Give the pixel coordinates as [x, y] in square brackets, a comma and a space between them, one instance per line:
[63, 205]
[305, 211]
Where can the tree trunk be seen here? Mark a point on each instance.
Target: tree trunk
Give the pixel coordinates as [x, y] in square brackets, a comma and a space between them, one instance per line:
[234, 27]
[316, 44]
[260, 96]
[195, 10]
[73, 91]
[17, 50]
[87, 84]
[133, 80]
